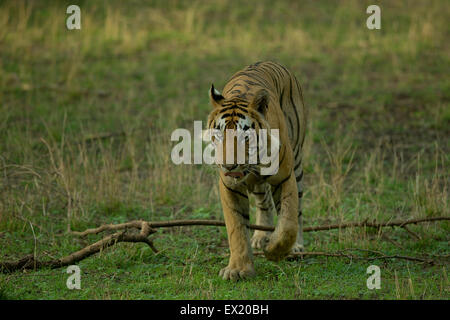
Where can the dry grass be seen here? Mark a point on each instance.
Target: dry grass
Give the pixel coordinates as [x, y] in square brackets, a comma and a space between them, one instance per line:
[86, 116]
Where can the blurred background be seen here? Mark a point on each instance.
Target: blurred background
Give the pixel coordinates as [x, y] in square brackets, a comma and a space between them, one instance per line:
[86, 115]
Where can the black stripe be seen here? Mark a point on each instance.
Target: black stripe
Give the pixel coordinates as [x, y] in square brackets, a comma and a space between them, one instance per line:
[254, 75]
[261, 78]
[234, 107]
[274, 72]
[271, 75]
[284, 180]
[295, 112]
[278, 206]
[232, 190]
[277, 69]
[260, 126]
[301, 97]
[291, 126]
[298, 150]
[237, 74]
[284, 154]
[234, 85]
[245, 216]
[299, 178]
[281, 99]
[250, 82]
[254, 65]
[283, 67]
[286, 196]
[298, 165]
[227, 108]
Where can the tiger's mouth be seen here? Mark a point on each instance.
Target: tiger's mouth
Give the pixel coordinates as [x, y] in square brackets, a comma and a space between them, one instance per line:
[235, 174]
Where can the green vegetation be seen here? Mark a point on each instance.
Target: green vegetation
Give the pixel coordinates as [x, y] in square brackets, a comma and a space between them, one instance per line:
[86, 117]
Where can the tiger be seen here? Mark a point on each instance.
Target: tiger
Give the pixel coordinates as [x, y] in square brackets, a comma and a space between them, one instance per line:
[264, 95]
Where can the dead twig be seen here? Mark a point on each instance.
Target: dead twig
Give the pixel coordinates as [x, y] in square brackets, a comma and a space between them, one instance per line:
[31, 262]
[219, 223]
[137, 224]
[339, 254]
[374, 224]
[415, 235]
[147, 227]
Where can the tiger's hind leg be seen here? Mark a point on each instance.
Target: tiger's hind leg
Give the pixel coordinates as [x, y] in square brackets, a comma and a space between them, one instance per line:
[265, 209]
[299, 246]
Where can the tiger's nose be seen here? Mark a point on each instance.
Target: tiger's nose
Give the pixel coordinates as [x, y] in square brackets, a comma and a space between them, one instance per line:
[229, 167]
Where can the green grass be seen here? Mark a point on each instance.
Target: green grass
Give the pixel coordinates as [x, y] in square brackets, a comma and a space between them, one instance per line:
[377, 142]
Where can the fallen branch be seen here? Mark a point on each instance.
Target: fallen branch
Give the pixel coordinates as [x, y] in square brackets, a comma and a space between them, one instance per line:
[374, 224]
[147, 227]
[137, 224]
[415, 235]
[219, 223]
[338, 254]
[30, 262]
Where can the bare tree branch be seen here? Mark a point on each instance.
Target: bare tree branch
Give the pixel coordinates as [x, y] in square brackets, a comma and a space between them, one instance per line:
[338, 254]
[31, 262]
[219, 223]
[148, 227]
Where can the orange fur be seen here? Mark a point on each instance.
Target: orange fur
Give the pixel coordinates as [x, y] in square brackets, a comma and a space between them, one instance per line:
[268, 96]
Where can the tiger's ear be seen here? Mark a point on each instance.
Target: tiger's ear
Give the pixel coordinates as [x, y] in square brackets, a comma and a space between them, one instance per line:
[215, 97]
[260, 101]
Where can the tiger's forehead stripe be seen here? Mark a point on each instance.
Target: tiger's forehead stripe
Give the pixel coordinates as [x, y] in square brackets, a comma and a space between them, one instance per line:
[242, 121]
[241, 107]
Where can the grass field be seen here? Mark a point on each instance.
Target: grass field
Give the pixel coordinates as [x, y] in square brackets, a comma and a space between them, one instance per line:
[86, 117]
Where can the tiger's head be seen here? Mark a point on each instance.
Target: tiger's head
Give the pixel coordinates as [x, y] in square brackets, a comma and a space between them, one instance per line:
[240, 133]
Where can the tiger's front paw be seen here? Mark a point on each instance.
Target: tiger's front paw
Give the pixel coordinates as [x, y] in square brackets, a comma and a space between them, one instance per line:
[298, 248]
[236, 273]
[274, 252]
[279, 245]
[260, 240]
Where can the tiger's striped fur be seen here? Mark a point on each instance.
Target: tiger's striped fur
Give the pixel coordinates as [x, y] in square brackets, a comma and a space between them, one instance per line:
[264, 95]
